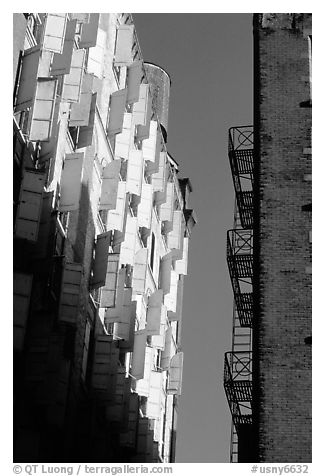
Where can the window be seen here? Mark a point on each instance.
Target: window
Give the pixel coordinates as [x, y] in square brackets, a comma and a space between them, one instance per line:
[152, 252]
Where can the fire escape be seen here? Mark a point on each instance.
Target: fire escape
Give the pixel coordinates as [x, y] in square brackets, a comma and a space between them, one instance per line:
[238, 362]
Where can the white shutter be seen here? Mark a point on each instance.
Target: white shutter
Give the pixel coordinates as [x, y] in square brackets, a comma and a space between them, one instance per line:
[134, 172]
[101, 260]
[124, 328]
[155, 395]
[170, 299]
[165, 272]
[105, 363]
[175, 374]
[28, 78]
[113, 314]
[124, 139]
[167, 208]
[30, 205]
[70, 290]
[135, 73]
[139, 114]
[154, 312]
[116, 112]
[143, 130]
[22, 286]
[96, 55]
[176, 235]
[128, 246]
[80, 17]
[108, 291]
[153, 167]
[158, 340]
[177, 314]
[54, 32]
[124, 43]
[43, 110]
[143, 383]
[181, 265]
[70, 185]
[115, 218]
[110, 181]
[158, 179]
[62, 62]
[149, 146]
[165, 355]
[85, 137]
[139, 353]
[72, 81]
[80, 111]
[89, 31]
[145, 206]
[140, 271]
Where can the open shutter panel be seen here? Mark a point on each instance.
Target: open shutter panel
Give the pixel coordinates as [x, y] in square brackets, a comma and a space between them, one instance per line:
[139, 114]
[165, 272]
[176, 235]
[166, 353]
[110, 181]
[134, 77]
[175, 374]
[145, 206]
[124, 328]
[28, 78]
[155, 394]
[154, 312]
[125, 139]
[139, 353]
[143, 383]
[80, 112]
[116, 112]
[107, 298]
[124, 42]
[153, 167]
[158, 179]
[89, 32]
[115, 218]
[140, 271]
[30, 205]
[158, 340]
[22, 285]
[113, 314]
[105, 363]
[171, 297]
[167, 208]
[80, 17]
[101, 260]
[143, 131]
[149, 146]
[128, 245]
[71, 182]
[72, 81]
[134, 172]
[43, 110]
[181, 265]
[96, 55]
[62, 62]
[85, 137]
[70, 290]
[54, 32]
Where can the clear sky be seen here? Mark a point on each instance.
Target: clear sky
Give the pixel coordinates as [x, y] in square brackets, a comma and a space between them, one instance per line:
[209, 59]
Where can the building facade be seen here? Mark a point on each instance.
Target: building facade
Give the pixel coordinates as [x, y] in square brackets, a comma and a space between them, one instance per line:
[101, 232]
[268, 372]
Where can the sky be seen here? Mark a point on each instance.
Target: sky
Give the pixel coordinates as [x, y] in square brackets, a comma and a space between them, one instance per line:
[209, 59]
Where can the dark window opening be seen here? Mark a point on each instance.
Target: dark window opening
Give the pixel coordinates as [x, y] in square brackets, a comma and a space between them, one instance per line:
[152, 252]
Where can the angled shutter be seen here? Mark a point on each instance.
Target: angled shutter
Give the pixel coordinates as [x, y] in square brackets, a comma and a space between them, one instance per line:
[123, 47]
[128, 246]
[139, 114]
[177, 315]
[108, 291]
[72, 81]
[28, 78]
[110, 181]
[134, 172]
[22, 286]
[70, 185]
[89, 32]
[152, 167]
[143, 131]
[145, 206]
[113, 314]
[139, 353]
[30, 205]
[166, 353]
[123, 140]
[175, 374]
[43, 110]
[135, 73]
[80, 17]
[149, 146]
[170, 299]
[181, 265]
[116, 112]
[54, 32]
[143, 383]
[124, 328]
[158, 340]
[101, 260]
[62, 62]
[165, 272]
[154, 312]
[176, 235]
[140, 271]
[85, 137]
[96, 55]
[155, 395]
[167, 208]
[158, 179]
[115, 218]
[80, 111]
[105, 363]
[70, 291]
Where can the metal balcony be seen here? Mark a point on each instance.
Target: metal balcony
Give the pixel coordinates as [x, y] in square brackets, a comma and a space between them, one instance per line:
[240, 264]
[241, 157]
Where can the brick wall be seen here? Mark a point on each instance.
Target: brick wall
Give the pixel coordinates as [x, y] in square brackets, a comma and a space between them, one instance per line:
[283, 133]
